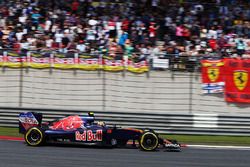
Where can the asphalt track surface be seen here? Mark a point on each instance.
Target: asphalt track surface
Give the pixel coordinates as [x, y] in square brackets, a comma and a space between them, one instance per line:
[18, 154]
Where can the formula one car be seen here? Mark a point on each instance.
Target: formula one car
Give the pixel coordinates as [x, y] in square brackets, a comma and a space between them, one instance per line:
[77, 129]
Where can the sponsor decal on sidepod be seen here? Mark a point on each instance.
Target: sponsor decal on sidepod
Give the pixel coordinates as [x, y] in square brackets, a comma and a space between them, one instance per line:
[88, 135]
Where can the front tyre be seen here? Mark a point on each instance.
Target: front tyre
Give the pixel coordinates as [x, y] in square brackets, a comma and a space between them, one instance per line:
[149, 141]
[34, 136]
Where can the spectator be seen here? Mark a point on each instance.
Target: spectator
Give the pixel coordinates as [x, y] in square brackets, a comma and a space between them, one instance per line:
[241, 47]
[24, 45]
[36, 16]
[122, 39]
[74, 6]
[64, 23]
[128, 49]
[58, 37]
[179, 34]
[212, 43]
[212, 33]
[81, 47]
[1, 33]
[152, 32]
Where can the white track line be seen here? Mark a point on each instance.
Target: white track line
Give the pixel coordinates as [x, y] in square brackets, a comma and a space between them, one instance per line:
[220, 147]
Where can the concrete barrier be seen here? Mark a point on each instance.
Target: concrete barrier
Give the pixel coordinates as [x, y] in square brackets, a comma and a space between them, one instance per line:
[154, 92]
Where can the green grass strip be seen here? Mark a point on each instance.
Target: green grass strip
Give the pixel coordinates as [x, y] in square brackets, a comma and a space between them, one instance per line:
[4, 131]
[211, 140]
[185, 139]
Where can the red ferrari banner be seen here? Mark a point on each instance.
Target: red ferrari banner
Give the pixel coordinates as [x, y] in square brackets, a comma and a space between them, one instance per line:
[212, 76]
[237, 87]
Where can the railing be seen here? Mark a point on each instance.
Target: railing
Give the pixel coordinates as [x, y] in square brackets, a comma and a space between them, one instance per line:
[75, 60]
[195, 124]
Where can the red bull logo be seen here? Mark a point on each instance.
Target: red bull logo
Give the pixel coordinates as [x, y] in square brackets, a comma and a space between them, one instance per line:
[89, 135]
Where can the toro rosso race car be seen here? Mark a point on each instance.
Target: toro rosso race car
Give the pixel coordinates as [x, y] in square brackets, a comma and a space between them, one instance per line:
[77, 129]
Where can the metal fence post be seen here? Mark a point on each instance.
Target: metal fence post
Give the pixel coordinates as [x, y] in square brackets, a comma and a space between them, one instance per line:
[103, 84]
[190, 92]
[21, 83]
[103, 91]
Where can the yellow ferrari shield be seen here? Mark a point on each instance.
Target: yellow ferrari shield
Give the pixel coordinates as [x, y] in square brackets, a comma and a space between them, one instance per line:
[240, 79]
[213, 73]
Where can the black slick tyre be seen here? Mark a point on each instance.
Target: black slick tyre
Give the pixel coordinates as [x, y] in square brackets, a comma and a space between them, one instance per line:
[34, 136]
[149, 141]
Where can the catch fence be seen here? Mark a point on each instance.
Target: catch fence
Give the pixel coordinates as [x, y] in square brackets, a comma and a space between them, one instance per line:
[169, 100]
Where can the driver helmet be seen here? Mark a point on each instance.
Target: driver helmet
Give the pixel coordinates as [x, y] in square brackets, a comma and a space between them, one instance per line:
[91, 114]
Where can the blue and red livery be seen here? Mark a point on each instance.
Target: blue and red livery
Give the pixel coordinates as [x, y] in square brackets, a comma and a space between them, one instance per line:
[77, 129]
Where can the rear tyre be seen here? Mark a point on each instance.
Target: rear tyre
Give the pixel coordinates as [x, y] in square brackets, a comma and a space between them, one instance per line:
[148, 141]
[34, 136]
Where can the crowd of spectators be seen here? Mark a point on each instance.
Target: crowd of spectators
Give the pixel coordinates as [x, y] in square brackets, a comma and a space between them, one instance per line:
[145, 27]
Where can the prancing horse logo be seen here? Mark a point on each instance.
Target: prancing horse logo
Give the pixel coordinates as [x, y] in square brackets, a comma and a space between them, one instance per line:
[213, 73]
[240, 79]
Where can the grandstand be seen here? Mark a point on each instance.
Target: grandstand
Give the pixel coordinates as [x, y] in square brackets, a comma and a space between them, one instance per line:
[184, 27]
[116, 35]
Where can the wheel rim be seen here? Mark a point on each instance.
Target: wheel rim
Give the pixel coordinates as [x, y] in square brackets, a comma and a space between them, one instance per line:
[34, 137]
[149, 141]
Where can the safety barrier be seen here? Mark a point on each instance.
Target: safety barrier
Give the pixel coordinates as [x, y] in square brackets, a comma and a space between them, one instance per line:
[195, 124]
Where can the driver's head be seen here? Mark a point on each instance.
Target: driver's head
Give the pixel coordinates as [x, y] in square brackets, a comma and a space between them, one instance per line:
[91, 114]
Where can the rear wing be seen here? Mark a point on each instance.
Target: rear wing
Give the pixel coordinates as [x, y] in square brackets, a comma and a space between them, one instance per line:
[28, 120]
